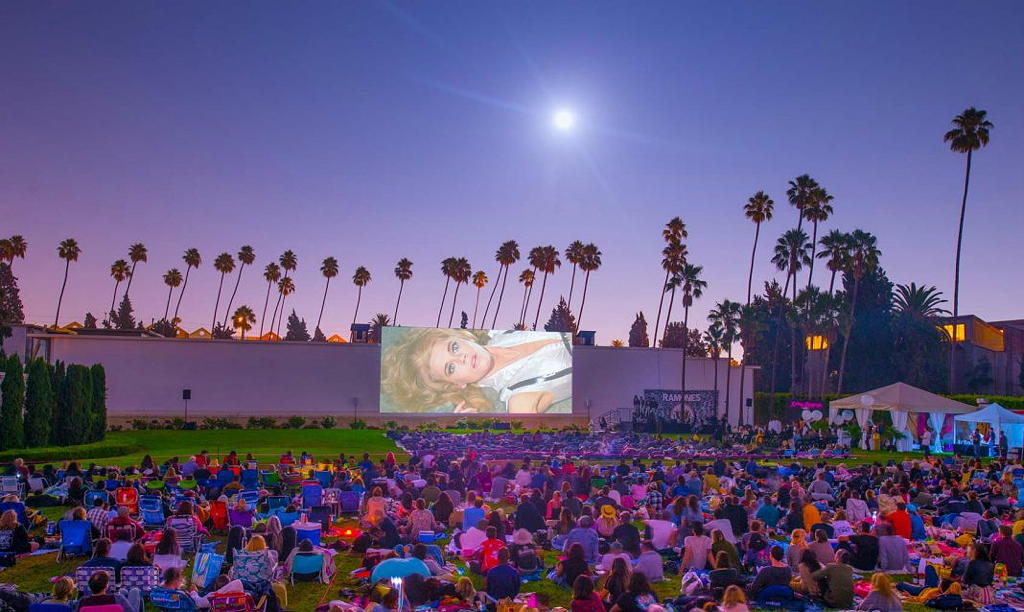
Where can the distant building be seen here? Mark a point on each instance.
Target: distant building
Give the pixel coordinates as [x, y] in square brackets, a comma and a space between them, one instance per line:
[988, 355]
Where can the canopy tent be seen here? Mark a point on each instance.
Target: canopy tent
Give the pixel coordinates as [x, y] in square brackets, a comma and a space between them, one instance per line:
[999, 418]
[901, 399]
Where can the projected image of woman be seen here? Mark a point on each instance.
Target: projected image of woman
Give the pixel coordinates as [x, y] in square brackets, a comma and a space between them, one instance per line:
[458, 370]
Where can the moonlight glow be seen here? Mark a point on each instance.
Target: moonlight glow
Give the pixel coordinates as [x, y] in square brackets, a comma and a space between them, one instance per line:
[564, 120]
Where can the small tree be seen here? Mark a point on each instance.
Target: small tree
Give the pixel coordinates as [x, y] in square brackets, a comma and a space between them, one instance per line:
[11, 309]
[12, 431]
[75, 401]
[39, 404]
[561, 319]
[99, 403]
[124, 317]
[222, 332]
[673, 335]
[297, 331]
[318, 336]
[165, 328]
[90, 321]
[638, 332]
[464, 321]
[59, 427]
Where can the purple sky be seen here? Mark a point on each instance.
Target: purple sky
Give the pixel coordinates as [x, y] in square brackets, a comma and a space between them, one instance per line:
[372, 131]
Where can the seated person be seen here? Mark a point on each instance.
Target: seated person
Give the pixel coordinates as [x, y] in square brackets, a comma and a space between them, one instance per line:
[486, 555]
[650, 563]
[124, 522]
[777, 573]
[63, 593]
[13, 536]
[586, 537]
[137, 557]
[502, 580]
[470, 540]
[99, 582]
[575, 564]
[173, 579]
[614, 552]
[101, 558]
[167, 553]
[523, 553]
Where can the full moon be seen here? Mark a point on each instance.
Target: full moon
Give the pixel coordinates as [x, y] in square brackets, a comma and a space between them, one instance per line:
[563, 120]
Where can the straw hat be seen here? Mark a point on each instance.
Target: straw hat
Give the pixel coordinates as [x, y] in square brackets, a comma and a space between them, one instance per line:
[522, 536]
[607, 512]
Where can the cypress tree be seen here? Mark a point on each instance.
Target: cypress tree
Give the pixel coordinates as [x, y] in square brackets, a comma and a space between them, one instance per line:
[99, 402]
[79, 393]
[12, 432]
[62, 426]
[39, 404]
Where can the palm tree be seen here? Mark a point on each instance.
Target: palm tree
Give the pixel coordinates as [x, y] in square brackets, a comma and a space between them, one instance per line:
[969, 133]
[548, 262]
[119, 271]
[285, 287]
[792, 252]
[13, 247]
[835, 247]
[479, 281]
[919, 302]
[329, 268]
[461, 272]
[693, 288]
[862, 262]
[673, 255]
[818, 210]
[172, 278]
[526, 277]
[726, 315]
[136, 253]
[758, 209]
[573, 254]
[534, 258]
[243, 319]
[68, 250]
[289, 262]
[447, 267]
[246, 255]
[271, 274]
[507, 254]
[403, 272]
[225, 264]
[192, 259]
[801, 193]
[360, 279]
[673, 260]
[377, 325]
[833, 305]
[714, 337]
[589, 262]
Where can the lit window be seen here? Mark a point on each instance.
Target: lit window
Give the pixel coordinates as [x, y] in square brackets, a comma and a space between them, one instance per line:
[816, 343]
[961, 332]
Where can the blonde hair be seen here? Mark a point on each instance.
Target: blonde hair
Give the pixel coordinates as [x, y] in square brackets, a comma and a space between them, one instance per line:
[78, 514]
[64, 588]
[256, 544]
[404, 373]
[464, 587]
[9, 520]
[882, 584]
[798, 538]
[733, 595]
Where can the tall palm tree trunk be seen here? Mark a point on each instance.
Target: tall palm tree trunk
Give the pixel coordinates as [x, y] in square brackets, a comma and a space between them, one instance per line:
[476, 307]
[401, 285]
[668, 316]
[661, 302]
[846, 341]
[522, 309]
[956, 279]
[543, 286]
[444, 296]
[686, 343]
[56, 318]
[167, 308]
[455, 299]
[359, 298]
[728, 382]
[216, 305]
[487, 308]
[323, 302]
[494, 322]
[114, 297]
[793, 347]
[266, 302]
[131, 275]
[227, 311]
[714, 360]
[572, 283]
[280, 316]
[583, 301]
[177, 306]
[814, 247]
[277, 304]
[753, 253]
[832, 283]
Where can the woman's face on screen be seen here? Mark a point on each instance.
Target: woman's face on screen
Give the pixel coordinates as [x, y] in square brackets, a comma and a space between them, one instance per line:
[457, 361]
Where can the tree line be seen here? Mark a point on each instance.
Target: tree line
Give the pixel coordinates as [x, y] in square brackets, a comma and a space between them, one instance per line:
[51, 405]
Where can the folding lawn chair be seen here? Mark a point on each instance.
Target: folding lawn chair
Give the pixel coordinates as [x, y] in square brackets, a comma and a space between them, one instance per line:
[74, 538]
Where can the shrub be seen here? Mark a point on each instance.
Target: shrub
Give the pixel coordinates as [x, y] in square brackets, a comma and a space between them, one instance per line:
[219, 423]
[140, 424]
[312, 425]
[391, 425]
[357, 424]
[295, 422]
[176, 423]
[328, 422]
[12, 429]
[98, 416]
[260, 423]
[39, 404]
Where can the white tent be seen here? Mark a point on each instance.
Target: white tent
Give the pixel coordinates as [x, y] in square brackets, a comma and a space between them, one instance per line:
[901, 399]
[999, 418]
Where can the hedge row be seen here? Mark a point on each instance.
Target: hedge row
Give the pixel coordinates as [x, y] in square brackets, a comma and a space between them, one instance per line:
[69, 453]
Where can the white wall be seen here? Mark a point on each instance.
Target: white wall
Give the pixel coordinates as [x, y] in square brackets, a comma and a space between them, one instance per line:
[145, 377]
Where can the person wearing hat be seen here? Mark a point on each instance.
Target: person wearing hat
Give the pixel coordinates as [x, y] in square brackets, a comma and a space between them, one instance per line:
[523, 553]
[607, 521]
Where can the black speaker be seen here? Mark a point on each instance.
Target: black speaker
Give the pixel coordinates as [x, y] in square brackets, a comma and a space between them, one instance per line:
[186, 394]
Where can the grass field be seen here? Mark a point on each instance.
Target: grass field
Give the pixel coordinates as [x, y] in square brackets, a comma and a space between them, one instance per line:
[128, 448]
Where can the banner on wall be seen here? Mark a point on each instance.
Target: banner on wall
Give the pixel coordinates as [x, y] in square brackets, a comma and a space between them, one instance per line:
[698, 409]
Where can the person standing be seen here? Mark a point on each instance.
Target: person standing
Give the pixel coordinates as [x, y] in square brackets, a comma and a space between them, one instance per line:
[1004, 445]
[976, 442]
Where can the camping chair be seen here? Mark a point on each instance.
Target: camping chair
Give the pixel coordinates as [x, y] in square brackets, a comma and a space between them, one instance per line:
[277, 502]
[189, 537]
[112, 484]
[36, 484]
[225, 477]
[142, 577]
[252, 568]
[349, 501]
[287, 518]
[233, 602]
[270, 477]
[219, 514]
[10, 485]
[239, 519]
[152, 510]
[306, 567]
[312, 494]
[92, 495]
[83, 574]
[250, 479]
[250, 497]
[127, 496]
[775, 596]
[324, 478]
[167, 600]
[19, 509]
[74, 539]
[322, 515]
[207, 566]
[49, 607]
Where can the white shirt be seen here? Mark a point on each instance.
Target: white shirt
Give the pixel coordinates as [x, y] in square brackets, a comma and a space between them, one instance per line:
[549, 368]
[661, 531]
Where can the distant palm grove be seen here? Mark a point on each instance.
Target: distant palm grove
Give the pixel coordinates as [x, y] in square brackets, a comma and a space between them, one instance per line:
[847, 328]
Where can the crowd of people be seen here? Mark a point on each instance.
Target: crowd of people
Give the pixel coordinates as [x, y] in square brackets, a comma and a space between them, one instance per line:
[461, 530]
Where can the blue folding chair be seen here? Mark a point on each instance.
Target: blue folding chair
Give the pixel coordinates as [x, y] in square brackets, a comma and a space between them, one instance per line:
[166, 600]
[250, 479]
[312, 495]
[112, 484]
[152, 510]
[277, 502]
[324, 478]
[92, 495]
[75, 538]
[350, 501]
[225, 477]
[250, 497]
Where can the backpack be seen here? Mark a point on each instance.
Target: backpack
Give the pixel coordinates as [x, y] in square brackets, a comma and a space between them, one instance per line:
[758, 541]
